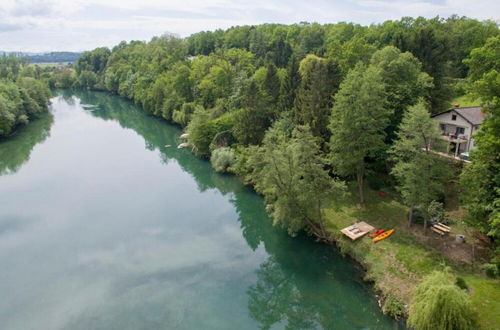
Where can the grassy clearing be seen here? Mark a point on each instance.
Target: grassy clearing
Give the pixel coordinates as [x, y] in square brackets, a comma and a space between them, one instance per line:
[466, 100]
[485, 299]
[398, 263]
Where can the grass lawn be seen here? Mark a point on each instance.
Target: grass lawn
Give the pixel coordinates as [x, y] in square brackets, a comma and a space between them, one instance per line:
[485, 299]
[466, 100]
[399, 262]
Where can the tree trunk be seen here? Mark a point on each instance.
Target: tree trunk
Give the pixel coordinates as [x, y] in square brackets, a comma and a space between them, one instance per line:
[360, 176]
[425, 226]
[410, 217]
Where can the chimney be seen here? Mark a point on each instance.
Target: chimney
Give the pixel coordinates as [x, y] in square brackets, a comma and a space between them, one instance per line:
[456, 106]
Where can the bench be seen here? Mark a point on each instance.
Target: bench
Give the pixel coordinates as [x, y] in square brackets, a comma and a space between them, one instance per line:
[444, 226]
[438, 231]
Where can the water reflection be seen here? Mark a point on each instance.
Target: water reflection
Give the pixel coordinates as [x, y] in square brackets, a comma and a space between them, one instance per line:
[300, 285]
[16, 150]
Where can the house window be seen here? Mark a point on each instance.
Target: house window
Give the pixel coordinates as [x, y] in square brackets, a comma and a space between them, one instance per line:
[443, 128]
[460, 130]
[453, 117]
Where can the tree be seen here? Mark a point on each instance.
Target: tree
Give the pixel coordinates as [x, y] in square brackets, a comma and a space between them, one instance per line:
[290, 85]
[404, 83]
[481, 179]
[271, 87]
[439, 303]
[289, 170]
[319, 81]
[419, 172]
[358, 122]
[252, 122]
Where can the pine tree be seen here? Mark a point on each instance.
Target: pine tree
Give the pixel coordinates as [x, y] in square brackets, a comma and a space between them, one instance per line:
[319, 81]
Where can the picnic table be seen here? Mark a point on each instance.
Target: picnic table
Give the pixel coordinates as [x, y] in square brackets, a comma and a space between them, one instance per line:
[441, 229]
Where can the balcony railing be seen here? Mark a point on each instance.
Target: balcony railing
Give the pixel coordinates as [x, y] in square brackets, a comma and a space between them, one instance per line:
[454, 138]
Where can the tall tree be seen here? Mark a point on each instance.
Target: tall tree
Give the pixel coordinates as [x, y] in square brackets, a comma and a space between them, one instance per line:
[358, 122]
[271, 87]
[404, 82]
[481, 179]
[290, 85]
[420, 172]
[289, 170]
[252, 122]
[320, 79]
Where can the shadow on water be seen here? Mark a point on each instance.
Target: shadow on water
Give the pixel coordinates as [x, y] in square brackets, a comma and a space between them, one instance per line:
[301, 285]
[16, 149]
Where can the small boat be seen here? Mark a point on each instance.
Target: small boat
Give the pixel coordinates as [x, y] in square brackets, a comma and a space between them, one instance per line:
[384, 235]
[378, 232]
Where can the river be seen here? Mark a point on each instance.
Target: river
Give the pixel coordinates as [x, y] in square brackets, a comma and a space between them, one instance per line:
[105, 224]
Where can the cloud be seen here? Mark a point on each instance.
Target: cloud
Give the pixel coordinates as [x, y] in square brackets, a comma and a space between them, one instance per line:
[44, 25]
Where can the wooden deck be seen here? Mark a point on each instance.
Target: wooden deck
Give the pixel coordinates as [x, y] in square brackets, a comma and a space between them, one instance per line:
[359, 229]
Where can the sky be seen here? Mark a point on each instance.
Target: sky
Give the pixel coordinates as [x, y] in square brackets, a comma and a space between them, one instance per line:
[76, 25]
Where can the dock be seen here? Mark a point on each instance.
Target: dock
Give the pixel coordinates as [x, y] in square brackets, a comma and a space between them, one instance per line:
[359, 229]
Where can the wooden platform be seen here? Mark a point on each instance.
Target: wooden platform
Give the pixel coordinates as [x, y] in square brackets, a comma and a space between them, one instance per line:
[359, 229]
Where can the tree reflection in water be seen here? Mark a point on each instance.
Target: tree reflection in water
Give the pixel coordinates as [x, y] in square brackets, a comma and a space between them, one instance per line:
[16, 149]
[302, 284]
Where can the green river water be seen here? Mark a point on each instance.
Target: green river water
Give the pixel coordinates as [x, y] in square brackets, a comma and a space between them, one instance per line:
[105, 224]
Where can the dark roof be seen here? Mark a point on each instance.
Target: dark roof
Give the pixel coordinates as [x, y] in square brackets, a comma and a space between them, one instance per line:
[473, 115]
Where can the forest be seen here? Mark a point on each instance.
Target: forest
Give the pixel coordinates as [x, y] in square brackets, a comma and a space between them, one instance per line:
[300, 111]
[23, 95]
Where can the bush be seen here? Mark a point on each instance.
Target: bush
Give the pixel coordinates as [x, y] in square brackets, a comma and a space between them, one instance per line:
[491, 270]
[460, 282]
[222, 159]
[394, 307]
[438, 303]
[375, 182]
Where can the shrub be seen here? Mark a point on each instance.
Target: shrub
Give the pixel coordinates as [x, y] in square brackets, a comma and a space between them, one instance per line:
[439, 304]
[394, 307]
[460, 282]
[491, 270]
[222, 159]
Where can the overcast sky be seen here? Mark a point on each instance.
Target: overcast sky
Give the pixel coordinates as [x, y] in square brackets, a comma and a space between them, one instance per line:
[45, 25]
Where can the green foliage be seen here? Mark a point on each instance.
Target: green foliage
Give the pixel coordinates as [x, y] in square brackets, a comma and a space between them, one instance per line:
[202, 130]
[289, 170]
[420, 173]
[358, 122]
[183, 116]
[404, 82]
[21, 99]
[460, 282]
[320, 79]
[481, 180]
[223, 159]
[491, 270]
[394, 307]
[439, 304]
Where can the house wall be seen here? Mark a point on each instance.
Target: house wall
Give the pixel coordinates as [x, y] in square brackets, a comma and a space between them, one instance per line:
[446, 118]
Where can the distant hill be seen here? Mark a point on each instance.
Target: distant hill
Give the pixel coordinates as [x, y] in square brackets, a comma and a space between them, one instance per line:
[52, 57]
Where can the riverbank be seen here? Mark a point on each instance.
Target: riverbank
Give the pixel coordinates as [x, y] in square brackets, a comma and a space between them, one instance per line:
[397, 264]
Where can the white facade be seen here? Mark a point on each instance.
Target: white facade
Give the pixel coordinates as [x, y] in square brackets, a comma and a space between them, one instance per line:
[456, 128]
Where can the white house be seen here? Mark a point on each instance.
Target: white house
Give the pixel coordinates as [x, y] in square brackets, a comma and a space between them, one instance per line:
[458, 126]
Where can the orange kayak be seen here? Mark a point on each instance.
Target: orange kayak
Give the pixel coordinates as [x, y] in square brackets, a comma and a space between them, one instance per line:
[384, 235]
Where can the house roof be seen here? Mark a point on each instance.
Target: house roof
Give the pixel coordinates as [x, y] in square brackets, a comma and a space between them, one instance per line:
[473, 115]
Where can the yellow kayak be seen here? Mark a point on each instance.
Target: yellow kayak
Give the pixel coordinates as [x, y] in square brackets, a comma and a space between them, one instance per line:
[384, 235]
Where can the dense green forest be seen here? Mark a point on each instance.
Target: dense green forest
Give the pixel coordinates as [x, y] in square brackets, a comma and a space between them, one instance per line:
[299, 111]
[354, 94]
[23, 96]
